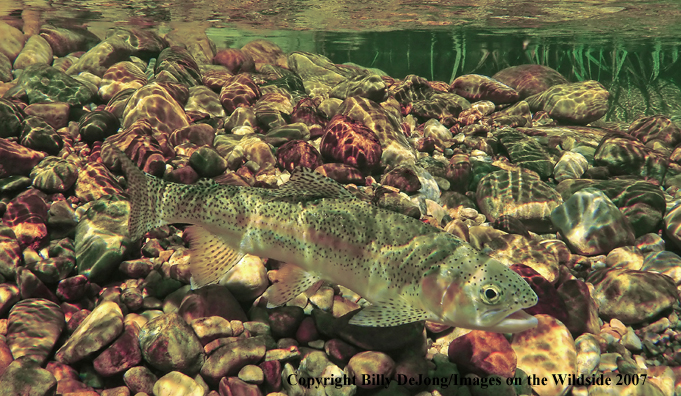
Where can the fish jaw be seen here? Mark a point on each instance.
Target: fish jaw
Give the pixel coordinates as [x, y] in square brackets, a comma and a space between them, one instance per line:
[514, 323]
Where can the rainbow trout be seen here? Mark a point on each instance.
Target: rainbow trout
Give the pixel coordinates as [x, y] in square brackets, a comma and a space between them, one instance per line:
[408, 270]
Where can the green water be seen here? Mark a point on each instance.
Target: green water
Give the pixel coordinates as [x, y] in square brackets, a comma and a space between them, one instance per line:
[629, 46]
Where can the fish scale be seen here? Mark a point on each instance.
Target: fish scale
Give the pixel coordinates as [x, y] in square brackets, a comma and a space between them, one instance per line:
[407, 269]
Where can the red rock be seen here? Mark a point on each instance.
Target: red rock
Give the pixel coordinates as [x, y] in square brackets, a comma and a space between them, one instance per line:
[657, 127]
[216, 79]
[339, 351]
[235, 60]
[27, 216]
[16, 159]
[404, 178]
[55, 114]
[123, 354]
[143, 144]
[483, 353]
[550, 302]
[272, 372]
[198, 134]
[238, 91]
[265, 52]
[298, 153]
[351, 143]
[529, 79]
[307, 331]
[342, 173]
[72, 289]
[582, 310]
[475, 87]
[305, 111]
[213, 300]
[5, 356]
[61, 371]
[232, 386]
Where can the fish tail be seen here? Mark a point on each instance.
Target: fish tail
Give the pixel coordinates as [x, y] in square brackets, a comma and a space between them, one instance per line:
[146, 198]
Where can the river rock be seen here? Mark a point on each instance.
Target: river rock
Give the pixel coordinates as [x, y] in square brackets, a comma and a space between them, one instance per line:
[230, 358]
[121, 76]
[573, 103]
[483, 354]
[36, 50]
[529, 80]
[34, 326]
[632, 296]
[94, 181]
[591, 223]
[265, 52]
[297, 153]
[41, 136]
[122, 355]
[176, 383]
[180, 64]
[102, 238]
[656, 128]
[16, 159]
[154, 104]
[625, 155]
[54, 174]
[526, 152]
[25, 377]
[532, 204]
[168, 343]
[26, 214]
[64, 41]
[238, 91]
[476, 87]
[642, 203]
[582, 310]
[396, 148]
[544, 351]
[373, 364]
[43, 83]
[99, 328]
[203, 99]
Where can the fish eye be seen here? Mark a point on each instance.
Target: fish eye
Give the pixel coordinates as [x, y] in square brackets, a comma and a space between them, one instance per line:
[490, 294]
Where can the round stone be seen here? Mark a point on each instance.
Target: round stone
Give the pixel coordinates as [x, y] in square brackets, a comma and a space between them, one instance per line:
[370, 365]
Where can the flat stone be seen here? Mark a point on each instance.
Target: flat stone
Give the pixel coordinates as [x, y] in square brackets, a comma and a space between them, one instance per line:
[168, 343]
[99, 328]
[34, 326]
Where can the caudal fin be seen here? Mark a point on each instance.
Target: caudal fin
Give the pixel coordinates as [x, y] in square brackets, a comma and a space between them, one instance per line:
[146, 194]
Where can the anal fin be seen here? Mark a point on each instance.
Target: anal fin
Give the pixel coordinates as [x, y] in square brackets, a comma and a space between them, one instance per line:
[292, 280]
[210, 256]
[393, 312]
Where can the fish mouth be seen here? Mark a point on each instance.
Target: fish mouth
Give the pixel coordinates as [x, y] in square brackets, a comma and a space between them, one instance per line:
[517, 322]
[514, 323]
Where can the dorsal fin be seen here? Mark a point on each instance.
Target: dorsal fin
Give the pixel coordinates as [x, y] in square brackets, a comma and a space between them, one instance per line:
[392, 312]
[306, 184]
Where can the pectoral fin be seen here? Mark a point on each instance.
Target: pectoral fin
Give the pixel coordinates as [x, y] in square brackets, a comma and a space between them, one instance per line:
[393, 312]
[210, 256]
[292, 281]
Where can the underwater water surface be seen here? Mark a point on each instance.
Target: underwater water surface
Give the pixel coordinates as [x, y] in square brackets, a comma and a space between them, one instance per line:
[491, 161]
